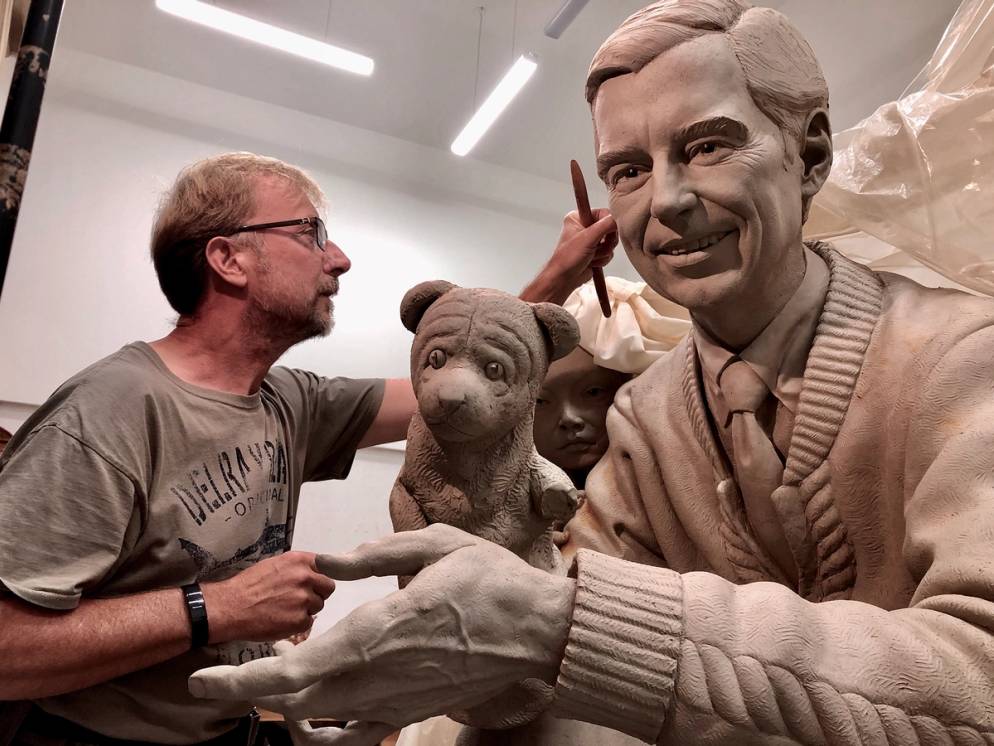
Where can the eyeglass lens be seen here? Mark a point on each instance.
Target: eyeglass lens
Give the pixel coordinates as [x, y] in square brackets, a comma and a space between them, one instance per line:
[320, 233]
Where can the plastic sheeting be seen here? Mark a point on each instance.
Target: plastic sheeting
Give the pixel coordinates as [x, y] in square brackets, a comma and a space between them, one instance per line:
[915, 180]
[642, 326]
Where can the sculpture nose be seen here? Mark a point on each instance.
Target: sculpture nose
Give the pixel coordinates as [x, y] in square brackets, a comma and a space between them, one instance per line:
[672, 197]
[570, 420]
[450, 398]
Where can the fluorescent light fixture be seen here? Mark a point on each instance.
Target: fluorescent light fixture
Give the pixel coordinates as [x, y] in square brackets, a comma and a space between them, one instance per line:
[496, 102]
[564, 17]
[264, 33]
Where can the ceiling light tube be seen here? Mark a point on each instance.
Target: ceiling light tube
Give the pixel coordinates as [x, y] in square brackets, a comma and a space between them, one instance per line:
[496, 102]
[566, 14]
[264, 33]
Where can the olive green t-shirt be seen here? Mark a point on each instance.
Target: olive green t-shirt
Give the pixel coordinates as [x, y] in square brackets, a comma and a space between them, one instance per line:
[129, 479]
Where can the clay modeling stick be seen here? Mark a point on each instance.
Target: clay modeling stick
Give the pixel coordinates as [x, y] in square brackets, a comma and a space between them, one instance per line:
[587, 219]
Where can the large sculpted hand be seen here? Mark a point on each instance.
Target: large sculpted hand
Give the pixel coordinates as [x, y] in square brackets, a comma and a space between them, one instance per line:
[473, 622]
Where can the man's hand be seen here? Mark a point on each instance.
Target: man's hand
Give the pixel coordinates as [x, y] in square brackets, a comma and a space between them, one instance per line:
[273, 599]
[475, 620]
[579, 249]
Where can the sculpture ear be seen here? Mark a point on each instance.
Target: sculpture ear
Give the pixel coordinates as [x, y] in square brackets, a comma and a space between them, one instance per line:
[559, 327]
[816, 155]
[418, 299]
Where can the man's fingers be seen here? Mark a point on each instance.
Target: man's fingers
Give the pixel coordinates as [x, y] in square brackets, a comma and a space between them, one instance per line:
[601, 228]
[404, 553]
[247, 681]
[323, 585]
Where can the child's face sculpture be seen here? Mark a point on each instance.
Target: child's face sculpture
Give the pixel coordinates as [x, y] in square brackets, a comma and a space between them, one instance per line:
[571, 410]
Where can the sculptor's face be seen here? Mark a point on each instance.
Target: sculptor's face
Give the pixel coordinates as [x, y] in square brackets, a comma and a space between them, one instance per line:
[294, 282]
[707, 203]
[571, 410]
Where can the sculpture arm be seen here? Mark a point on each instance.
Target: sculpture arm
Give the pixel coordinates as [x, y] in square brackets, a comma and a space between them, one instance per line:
[552, 493]
[405, 513]
[718, 662]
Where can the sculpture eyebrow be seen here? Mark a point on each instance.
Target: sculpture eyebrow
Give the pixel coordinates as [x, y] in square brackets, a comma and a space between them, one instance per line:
[613, 157]
[715, 126]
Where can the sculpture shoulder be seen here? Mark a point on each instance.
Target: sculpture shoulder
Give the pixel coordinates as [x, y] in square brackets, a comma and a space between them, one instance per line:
[926, 319]
[660, 382]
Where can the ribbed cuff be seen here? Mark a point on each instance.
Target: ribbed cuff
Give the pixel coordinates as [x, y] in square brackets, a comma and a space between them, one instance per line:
[621, 656]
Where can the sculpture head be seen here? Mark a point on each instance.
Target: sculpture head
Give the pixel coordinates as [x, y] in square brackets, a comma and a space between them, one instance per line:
[712, 136]
[571, 410]
[479, 357]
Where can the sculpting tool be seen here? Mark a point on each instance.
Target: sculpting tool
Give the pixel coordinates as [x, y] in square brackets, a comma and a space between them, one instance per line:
[586, 220]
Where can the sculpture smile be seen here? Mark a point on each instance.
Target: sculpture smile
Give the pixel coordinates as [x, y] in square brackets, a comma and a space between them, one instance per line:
[689, 246]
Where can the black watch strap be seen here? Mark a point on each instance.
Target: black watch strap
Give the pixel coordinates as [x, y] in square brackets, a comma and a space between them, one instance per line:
[197, 609]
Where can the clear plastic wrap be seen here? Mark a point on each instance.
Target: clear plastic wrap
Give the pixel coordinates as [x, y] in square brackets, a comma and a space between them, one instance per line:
[916, 178]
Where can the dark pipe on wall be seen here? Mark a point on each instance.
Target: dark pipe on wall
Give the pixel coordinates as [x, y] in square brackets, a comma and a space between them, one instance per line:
[20, 117]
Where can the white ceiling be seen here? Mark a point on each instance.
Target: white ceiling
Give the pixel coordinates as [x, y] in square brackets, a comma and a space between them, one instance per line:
[426, 61]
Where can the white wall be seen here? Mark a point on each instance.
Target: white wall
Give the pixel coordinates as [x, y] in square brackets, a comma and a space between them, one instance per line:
[79, 284]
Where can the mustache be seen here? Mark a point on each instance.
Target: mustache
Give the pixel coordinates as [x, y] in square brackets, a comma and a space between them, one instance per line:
[331, 288]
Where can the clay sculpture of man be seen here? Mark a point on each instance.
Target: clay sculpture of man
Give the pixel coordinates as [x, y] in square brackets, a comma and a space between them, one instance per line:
[794, 521]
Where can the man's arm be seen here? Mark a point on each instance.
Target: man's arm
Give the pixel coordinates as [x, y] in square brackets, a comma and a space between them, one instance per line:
[48, 652]
[578, 250]
[394, 415]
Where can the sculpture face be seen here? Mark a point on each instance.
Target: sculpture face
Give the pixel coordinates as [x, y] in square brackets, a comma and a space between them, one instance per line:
[570, 413]
[478, 359]
[707, 201]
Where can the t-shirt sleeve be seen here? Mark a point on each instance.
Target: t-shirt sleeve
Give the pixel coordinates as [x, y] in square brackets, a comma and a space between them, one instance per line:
[334, 415]
[66, 513]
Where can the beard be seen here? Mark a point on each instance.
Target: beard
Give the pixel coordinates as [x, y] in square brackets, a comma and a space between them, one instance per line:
[283, 316]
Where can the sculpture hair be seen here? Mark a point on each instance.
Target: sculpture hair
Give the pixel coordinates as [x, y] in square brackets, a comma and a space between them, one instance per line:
[781, 71]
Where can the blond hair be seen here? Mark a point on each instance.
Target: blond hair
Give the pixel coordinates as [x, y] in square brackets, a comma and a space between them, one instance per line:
[212, 197]
[781, 71]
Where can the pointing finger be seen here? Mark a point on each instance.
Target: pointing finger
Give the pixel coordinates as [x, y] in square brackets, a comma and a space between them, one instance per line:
[247, 681]
[404, 553]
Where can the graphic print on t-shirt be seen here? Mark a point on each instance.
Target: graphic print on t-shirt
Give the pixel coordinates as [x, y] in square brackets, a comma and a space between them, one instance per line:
[230, 475]
[271, 541]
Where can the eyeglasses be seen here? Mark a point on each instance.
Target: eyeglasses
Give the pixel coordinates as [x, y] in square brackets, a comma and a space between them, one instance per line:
[320, 233]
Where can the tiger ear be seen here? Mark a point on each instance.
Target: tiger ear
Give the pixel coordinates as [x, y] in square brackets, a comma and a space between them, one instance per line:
[560, 329]
[418, 299]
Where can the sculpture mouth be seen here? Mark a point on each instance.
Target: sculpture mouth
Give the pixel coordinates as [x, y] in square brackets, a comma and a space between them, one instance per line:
[685, 246]
[443, 428]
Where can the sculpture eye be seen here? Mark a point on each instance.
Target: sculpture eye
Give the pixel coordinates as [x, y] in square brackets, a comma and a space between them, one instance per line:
[436, 359]
[494, 371]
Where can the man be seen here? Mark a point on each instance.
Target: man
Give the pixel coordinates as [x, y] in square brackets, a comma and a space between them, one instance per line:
[181, 461]
[823, 429]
